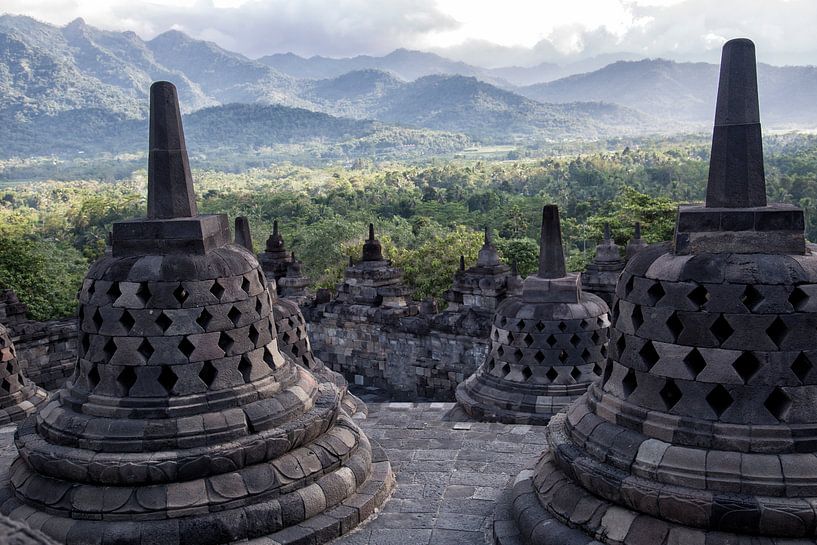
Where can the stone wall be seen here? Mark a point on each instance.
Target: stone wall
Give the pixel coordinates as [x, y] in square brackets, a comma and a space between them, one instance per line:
[46, 350]
[423, 356]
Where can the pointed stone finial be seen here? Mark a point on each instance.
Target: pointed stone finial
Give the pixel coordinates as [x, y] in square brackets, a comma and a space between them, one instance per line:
[292, 255]
[514, 268]
[462, 262]
[736, 174]
[242, 233]
[606, 231]
[551, 254]
[351, 261]
[372, 250]
[274, 227]
[489, 238]
[637, 232]
[371, 231]
[170, 184]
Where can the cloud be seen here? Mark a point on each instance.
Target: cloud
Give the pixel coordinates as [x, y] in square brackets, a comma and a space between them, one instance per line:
[482, 32]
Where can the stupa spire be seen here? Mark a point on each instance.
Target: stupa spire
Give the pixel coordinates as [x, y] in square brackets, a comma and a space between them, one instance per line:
[551, 254]
[736, 174]
[242, 233]
[170, 184]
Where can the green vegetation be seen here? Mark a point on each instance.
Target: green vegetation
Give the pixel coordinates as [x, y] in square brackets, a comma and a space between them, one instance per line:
[426, 215]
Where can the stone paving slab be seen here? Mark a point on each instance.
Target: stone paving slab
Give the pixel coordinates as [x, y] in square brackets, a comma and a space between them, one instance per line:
[450, 472]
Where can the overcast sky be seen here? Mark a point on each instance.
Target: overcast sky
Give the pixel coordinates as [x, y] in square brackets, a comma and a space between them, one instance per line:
[482, 32]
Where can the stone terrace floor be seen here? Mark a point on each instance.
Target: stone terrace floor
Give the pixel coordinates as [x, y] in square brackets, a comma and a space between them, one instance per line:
[450, 472]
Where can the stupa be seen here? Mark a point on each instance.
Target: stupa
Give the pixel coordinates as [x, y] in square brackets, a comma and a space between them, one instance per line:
[293, 338]
[482, 286]
[183, 422]
[374, 282]
[275, 258]
[19, 397]
[547, 345]
[703, 428]
[601, 274]
[294, 284]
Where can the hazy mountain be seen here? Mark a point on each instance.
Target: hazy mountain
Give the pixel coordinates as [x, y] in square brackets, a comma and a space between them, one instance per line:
[549, 71]
[686, 91]
[468, 105]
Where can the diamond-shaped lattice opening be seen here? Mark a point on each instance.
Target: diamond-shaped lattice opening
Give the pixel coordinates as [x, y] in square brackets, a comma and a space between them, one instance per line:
[600, 321]
[518, 354]
[616, 311]
[505, 370]
[670, 394]
[649, 355]
[204, 319]
[500, 351]
[586, 355]
[491, 364]
[5, 386]
[721, 329]
[114, 292]
[583, 324]
[539, 356]
[186, 347]
[552, 374]
[245, 368]
[503, 322]
[575, 340]
[145, 349]
[798, 299]
[746, 366]
[97, 319]
[778, 403]
[528, 340]
[9, 368]
[295, 350]
[629, 383]
[286, 338]
[628, 287]
[143, 293]
[245, 285]
[510, 336]
[608, 372]
[597, 369]
[208, 373]
[109, 348]
[180, 294]
[777, 331]
[93, 376]
[719, 399]
[575, 373]
[751, 298]
[540, 326]
[217, 290]
[801, 366]
[694, 362]
[526, 373]
[268, 359]
[235, 316]
[637, 318]
[259, 306]
[164, 321]
[699, 296]
[261, 280]
[675, 325]
[495, 334]
[520, 324]
[253, 334]
[595, 337]
[86, 343]
[127, 321]
[621, 345]
[167, 378]
[91, 289]
[655, 293]
[562, 326]
[225, 342]
[551, 340]
[563, 356]
[126, 379]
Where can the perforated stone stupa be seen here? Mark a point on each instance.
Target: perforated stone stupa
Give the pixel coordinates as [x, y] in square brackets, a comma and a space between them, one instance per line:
[293, 339]
[547, 345]
[275, 258]
[183, 422]
[635, 244]
[703, 429]
[601, 274]
[483, 285]
[19, 397]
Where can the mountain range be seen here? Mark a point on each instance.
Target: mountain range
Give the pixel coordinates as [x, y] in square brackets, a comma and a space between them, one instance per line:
[83, 83]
